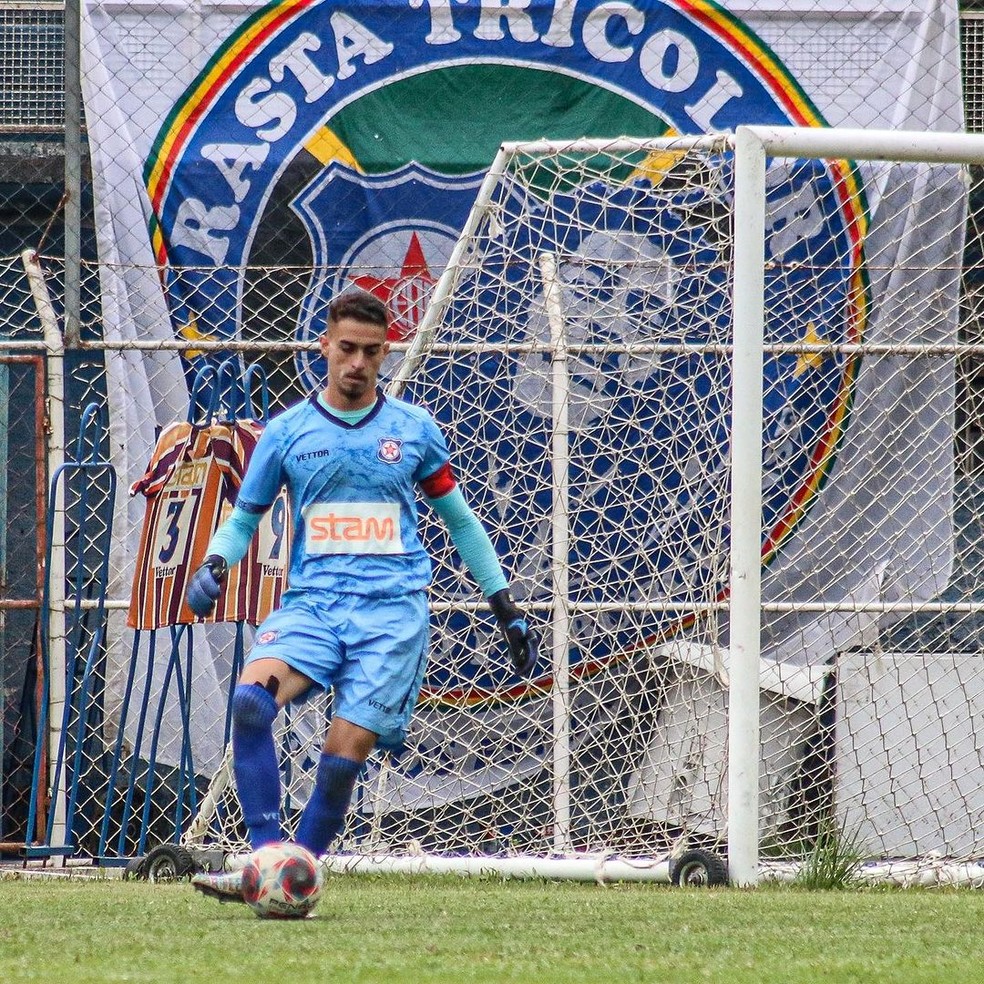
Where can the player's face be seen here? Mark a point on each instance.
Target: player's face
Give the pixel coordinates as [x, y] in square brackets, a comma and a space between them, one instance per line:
[354, 351]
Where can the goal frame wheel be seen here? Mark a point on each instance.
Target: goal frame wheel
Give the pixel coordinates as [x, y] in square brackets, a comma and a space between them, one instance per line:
[168, 863]
[698, 868]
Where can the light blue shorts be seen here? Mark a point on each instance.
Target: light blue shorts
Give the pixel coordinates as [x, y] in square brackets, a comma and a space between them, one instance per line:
[371, 652]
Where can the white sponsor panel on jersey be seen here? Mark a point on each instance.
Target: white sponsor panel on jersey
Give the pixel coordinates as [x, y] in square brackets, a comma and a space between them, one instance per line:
[353, 528]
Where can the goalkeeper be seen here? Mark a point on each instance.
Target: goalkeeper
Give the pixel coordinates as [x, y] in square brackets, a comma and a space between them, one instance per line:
[354, 616]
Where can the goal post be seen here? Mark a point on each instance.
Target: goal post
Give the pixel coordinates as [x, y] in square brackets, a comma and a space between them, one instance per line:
[753, 145]
[637, 347]
[746, 500]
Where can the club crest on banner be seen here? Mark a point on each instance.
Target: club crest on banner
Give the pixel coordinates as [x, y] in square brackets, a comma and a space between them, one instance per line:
[388, 234]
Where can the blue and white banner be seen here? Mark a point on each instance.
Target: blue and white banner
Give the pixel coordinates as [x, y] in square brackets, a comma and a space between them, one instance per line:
[351, 137]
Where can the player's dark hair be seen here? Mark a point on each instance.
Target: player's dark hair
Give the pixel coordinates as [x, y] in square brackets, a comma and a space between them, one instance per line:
[359, 305]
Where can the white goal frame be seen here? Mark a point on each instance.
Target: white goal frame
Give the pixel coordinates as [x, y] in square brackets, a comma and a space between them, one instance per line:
[751, 146]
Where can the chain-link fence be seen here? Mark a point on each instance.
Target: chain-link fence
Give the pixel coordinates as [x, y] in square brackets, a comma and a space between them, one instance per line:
[202, 297]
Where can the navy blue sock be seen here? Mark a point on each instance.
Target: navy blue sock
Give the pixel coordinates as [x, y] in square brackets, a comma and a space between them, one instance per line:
[254, 759]
[324, 815]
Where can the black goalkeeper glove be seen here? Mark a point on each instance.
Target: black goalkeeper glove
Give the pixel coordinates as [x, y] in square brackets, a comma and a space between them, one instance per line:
[520, 638]
[205, 585]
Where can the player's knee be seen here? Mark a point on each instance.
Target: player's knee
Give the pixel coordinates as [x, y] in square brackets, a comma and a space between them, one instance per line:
[253, 707]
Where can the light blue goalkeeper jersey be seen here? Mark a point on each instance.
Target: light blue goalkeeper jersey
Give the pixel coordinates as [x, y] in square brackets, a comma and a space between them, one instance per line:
[352, 493]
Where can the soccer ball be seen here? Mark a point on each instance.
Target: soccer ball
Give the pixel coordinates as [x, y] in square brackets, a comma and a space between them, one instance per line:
[282, 881]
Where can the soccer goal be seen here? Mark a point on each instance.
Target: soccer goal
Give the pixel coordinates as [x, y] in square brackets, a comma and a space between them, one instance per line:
[712, 398]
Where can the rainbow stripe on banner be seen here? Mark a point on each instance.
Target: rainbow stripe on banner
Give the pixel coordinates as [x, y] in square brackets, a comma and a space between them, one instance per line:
[187, 114]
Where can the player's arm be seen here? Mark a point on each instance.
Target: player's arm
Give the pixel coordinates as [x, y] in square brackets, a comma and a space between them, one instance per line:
[227, 547]
[475, 548]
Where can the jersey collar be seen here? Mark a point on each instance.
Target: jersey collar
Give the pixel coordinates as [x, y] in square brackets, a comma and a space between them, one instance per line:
[325, 412]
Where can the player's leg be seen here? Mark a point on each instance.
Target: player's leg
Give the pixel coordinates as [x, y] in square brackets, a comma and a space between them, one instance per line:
[264, 686]
[375, 689]
[295, 651]
[346, 749]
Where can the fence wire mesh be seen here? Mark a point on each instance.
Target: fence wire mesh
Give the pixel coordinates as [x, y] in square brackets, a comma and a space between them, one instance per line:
[145, 723]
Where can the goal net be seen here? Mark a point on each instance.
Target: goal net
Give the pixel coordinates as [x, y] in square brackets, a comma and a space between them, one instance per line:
[579, 351]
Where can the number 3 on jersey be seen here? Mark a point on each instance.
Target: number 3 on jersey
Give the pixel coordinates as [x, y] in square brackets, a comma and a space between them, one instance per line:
[175, 522]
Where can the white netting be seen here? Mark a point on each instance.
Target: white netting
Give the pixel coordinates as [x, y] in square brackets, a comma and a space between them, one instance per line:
[581, 366]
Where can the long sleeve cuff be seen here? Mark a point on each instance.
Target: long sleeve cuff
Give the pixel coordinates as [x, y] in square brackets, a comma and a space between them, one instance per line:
[231, 540]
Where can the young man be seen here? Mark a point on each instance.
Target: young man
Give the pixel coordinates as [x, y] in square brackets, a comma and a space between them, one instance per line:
[354, 616]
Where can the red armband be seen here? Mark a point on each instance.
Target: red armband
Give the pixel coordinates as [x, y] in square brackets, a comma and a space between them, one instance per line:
[440, 483]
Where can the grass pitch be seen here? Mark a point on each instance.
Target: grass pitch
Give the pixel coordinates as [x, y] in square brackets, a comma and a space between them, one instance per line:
[396, 930]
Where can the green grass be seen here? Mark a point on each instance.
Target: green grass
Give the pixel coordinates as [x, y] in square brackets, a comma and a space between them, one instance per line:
[416, 931]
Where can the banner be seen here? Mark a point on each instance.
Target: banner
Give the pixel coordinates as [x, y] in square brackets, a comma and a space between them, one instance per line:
[351, 137]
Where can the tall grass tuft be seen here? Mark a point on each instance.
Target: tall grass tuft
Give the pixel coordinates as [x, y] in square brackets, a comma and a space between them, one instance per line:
[834, 859]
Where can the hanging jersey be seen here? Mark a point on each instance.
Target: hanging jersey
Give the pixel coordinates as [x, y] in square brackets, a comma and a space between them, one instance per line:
[190, 486]
[352, 491]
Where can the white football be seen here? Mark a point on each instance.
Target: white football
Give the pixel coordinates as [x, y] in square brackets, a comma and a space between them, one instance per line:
[282, 881]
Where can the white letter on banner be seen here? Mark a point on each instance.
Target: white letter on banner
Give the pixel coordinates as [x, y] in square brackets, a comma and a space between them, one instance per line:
[681, 76]
[352, 40]
[802, 218]
[652, 62]
[294, 58]
[596, 30]
[703, 111]
[232, 160]
[513, 12]
[559, 33]
[277, 107]
[195, 224]
[442, 29]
